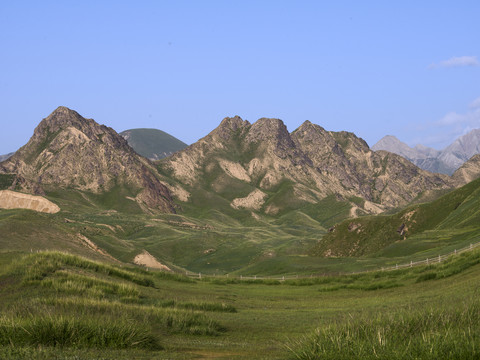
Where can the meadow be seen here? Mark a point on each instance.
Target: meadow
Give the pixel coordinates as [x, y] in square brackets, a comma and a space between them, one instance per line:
[59, 306]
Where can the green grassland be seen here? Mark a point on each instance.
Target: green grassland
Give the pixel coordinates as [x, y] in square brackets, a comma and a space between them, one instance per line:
[212, 238]
[82, 304]
[59, 306]
[453, 220]
[151, 142]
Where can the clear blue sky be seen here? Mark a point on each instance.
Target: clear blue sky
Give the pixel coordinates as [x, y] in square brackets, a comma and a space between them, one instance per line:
[406, 68]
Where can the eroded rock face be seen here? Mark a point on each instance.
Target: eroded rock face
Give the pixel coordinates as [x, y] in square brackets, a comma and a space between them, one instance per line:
[15, 200]
[317, 163]
[69, 151]
[468, 172]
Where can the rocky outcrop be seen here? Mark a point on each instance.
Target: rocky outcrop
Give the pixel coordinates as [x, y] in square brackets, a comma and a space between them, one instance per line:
[69, 151]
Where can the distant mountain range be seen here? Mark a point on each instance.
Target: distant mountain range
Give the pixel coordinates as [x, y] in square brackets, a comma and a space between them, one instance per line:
[444, 161]
[244, 194]
[152, 143]
[240, 168]
[5, 157]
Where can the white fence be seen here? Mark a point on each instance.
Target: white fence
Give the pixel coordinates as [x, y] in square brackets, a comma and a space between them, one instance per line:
[428, 261]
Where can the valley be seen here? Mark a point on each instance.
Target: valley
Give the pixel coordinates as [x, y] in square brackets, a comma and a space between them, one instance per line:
[314, 207]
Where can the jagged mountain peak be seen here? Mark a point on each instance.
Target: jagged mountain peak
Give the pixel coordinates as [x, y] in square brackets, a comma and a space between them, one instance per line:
[308, 126]
[234, 122]
[229, 126]
[305, 166]
[67, 150]
[61, 117]
[268, 129]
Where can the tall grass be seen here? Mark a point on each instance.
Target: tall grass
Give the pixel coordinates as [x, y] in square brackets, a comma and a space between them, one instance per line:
[38, 266]
[430, 333]
[67, 331]
[174, 320]
[68, 283]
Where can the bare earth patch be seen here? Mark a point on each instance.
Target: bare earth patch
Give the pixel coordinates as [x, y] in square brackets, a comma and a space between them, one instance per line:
[254, 200]
[15, 200]
[234, 170]
[149, 260]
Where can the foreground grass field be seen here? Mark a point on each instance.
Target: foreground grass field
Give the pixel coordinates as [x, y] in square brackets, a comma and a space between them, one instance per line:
[59, 306]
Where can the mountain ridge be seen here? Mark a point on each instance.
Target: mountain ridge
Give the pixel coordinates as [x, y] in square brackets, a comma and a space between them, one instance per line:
[445, 161]
[261, 156]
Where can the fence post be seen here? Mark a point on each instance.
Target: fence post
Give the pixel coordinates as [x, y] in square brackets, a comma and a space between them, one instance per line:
[199, 275]
[455, 251]
[471, 246]
[411, 263]
[255, 277]
[439, 259]
[396, 266]
[241, 277]
[283, 278]
[427, 261]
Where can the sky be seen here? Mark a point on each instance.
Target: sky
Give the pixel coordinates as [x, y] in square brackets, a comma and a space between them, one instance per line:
[375, 68]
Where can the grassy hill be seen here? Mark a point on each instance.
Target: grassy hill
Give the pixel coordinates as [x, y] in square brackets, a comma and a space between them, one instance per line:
[451, 220]
[153, 143]
[217, 241]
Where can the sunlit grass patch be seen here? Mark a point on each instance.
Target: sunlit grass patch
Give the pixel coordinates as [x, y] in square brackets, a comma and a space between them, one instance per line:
[428, 333]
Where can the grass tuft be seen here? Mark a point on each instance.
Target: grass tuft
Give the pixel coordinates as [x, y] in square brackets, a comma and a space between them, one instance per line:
[440, 333]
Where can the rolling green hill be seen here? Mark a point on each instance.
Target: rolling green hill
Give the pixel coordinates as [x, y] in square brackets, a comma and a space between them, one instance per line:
[153, 144]
[452, 219]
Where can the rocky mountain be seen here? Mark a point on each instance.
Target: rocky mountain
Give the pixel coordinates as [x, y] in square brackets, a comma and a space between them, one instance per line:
[262, 167]
[69, 151]
[392, 144]
[461, 149]
[469, 171]
[152, 143]
[445, 161]
[458, 209]
[5, 157]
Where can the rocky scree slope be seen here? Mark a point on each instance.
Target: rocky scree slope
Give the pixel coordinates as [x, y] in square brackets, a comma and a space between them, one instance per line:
[69, 151]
